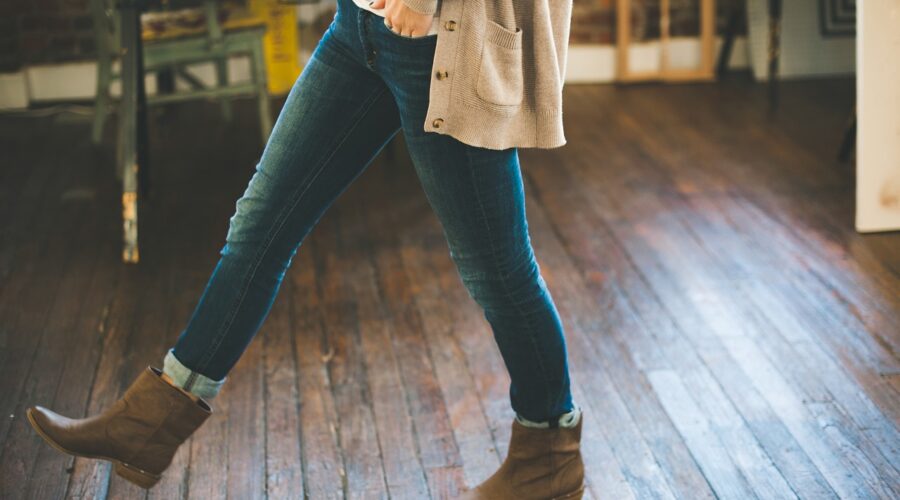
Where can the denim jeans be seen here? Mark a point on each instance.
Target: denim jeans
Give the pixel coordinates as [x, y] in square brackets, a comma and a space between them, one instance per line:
[362, 85]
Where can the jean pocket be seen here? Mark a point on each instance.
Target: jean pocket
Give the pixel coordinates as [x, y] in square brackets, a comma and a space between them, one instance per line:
[500, 72]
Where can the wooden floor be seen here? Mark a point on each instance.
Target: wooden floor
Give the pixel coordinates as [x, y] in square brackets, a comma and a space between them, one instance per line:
[730, 335]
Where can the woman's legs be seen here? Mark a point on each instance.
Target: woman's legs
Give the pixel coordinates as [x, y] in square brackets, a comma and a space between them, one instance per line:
[337, 117]
[478, 196]
[362, 83]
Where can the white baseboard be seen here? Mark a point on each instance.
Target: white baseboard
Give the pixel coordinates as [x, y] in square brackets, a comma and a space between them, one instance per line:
[77, 81]
[61, 81]
[13, 90]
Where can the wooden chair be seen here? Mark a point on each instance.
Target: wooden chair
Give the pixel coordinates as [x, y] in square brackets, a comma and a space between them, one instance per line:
[146, 42]
[172, 39]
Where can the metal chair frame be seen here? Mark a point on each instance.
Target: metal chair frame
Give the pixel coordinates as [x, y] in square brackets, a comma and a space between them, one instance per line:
[165, 54]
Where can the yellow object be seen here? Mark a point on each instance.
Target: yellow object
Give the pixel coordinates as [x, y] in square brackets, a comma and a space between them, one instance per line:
[164, 25]
[279, 44]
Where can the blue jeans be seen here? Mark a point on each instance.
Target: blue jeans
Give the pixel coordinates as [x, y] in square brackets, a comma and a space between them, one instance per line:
[362, 85]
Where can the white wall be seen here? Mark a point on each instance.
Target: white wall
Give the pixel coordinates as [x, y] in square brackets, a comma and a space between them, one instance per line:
[804, 51]
[878, 108]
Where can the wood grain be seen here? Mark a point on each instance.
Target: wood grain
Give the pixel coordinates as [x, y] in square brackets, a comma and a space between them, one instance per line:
[729, 334]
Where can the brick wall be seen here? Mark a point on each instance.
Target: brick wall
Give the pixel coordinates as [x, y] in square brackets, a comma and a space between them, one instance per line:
[53, 31]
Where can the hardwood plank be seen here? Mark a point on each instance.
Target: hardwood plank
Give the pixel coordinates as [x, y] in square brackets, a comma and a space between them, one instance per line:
[353, 417]
[729, 332]
[861, 483]
[323, 467]
[208, 449]
[446, 308]
[438, 452]
[284, 467]
[677, 466]
[786, 358]
[42, 333]
[786, 322]
[819, 248]
[246, 426]
[758, 462]
[774, 437]
[72, 375]
[695, 279]
[447, 315]
[22, 187]
[747, 453]
[28, 294]
[616, 322]
[90, 478]
[405, 473]
[604, 474]
[705, 445]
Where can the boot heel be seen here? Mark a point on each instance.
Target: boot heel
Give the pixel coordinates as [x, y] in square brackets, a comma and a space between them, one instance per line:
[139, 477]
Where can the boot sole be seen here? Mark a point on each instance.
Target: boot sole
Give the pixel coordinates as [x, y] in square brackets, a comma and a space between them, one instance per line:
[126, 471]
[575, 495]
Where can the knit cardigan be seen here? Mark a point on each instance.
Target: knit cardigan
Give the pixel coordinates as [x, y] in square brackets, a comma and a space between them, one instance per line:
[498, 71]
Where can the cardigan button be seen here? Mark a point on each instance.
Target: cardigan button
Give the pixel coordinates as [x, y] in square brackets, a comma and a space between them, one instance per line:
[450, 25]
[441, 74]
[437, 122]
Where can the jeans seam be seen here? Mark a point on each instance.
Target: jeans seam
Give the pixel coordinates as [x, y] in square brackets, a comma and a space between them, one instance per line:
[363, 31]
[503, 280]
[297, 196]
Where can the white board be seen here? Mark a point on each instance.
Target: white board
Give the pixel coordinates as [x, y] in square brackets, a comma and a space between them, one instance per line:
[878, 110]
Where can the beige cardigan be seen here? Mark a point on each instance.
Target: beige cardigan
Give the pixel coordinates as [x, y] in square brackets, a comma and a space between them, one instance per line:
[498, 71]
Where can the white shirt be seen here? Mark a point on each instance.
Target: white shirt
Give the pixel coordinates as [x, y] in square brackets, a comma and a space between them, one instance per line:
[364, 4]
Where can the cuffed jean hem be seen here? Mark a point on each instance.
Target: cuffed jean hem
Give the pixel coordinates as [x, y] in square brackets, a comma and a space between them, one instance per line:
[569, 419]
[189, 380]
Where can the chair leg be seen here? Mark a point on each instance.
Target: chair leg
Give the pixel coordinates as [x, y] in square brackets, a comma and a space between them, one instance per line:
[101, 100]
[222, 80]
[130, 132]
[259, 77]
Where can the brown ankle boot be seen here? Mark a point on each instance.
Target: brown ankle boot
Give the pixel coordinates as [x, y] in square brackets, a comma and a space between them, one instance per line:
[139, 433]
[542, 463]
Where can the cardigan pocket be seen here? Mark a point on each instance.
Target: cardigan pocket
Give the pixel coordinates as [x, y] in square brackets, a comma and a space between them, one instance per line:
[500, 75]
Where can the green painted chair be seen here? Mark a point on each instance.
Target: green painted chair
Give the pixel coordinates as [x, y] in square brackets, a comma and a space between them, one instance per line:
[172, 39]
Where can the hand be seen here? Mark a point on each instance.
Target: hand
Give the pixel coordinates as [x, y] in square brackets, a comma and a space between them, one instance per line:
[402, 20]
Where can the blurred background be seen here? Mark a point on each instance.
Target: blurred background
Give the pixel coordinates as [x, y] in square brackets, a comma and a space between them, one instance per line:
[719, 234]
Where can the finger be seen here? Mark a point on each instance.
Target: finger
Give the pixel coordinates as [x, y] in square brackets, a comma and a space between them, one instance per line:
[393, 27]
[377, 4]
[411, 31]
[396, 27]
